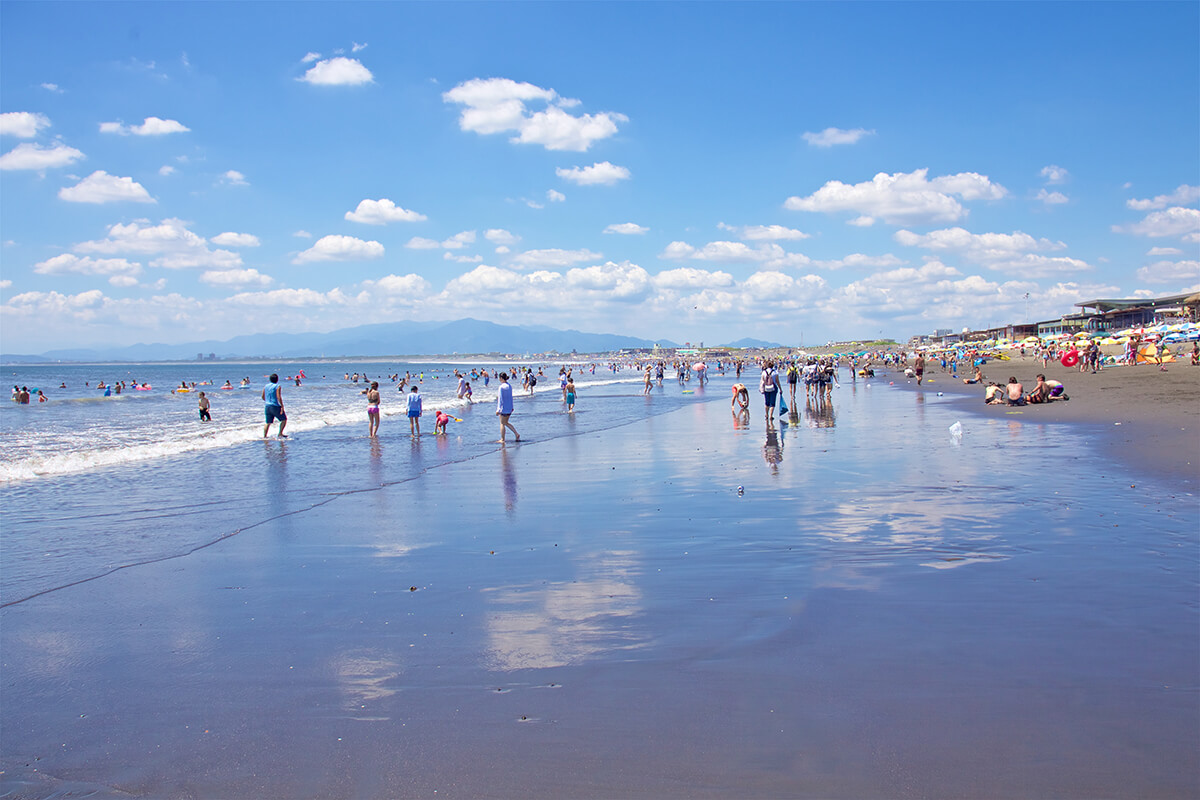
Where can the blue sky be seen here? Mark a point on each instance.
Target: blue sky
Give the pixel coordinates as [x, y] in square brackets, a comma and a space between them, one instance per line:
[687, 171]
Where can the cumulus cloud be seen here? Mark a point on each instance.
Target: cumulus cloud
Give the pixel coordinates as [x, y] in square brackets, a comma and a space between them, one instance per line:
[1164, 251]
[339, 71]
[599, 174]
[555, 197]
[1182, 195]
[459, 240]
[175, 246]
[764, 233]
[151, 126]
[540, 259]
[407, 285]
[835, 136]
[1176, 221]
[421, 243]
[500, 236]
[34, 156]
[234, 178]
[230, 239]
[1052, 198]
[381, 212]
[902, 198]
[499, 105]
[340, 248]
[235, 277]
[1176, 272]
[22, 124]
[68, 264]
[1017, 252]
[1054, 174]
[626, 228]
[165, 170]
[728, 252]
[692, 279]
[290, 298]
[100, 187]
[462, 259]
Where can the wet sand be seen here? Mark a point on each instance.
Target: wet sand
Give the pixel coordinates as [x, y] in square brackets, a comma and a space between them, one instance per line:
[877, 614]
[1137, 415]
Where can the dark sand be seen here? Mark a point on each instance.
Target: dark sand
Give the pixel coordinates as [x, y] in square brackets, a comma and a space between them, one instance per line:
[879, 616]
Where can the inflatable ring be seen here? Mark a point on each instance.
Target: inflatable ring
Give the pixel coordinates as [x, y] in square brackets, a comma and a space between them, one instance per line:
[1070, 359]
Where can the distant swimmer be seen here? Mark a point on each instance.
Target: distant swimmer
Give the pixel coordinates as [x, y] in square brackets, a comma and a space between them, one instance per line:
[204, 406]
[272, 395]
[373, 399]
[41, 397]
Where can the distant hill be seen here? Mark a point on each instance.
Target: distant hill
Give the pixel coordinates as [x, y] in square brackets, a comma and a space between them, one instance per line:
[464, 336]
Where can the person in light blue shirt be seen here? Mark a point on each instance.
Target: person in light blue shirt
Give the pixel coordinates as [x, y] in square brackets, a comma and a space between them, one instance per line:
[272, 396]
[504, 407]
[414, 412]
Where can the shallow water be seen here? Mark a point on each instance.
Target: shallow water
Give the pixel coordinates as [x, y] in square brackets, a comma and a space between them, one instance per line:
[883, 610]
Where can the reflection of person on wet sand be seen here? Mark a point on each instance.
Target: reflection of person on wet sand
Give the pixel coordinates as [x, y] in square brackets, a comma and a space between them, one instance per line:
[772, 451]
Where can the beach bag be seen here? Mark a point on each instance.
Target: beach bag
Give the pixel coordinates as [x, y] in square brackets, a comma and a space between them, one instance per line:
[783, 409]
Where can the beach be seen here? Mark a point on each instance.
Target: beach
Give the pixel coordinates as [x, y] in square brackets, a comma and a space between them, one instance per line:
[653, 600]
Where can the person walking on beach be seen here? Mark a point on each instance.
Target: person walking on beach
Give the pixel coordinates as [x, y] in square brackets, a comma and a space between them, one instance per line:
[414, 412]
[272, 396]
[373, 399]
[648, 384]
[504, 407]
[768, 384]
[919, 367]
[204, 405]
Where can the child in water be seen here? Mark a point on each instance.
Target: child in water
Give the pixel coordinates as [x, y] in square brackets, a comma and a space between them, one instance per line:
[414, 412]
[440, 425]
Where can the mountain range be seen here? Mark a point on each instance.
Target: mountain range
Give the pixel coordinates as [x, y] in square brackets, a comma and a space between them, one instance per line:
[464, 336]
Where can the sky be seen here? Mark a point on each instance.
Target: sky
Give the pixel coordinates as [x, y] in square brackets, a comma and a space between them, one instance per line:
[699, 172]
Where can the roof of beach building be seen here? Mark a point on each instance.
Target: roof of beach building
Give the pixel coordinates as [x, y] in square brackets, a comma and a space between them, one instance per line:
[1105, 306]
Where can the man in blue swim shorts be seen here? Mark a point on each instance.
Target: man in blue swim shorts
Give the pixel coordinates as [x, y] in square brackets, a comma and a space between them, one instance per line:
[272, 396]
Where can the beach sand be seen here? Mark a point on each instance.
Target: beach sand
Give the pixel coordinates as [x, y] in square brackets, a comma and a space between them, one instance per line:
[876, 614]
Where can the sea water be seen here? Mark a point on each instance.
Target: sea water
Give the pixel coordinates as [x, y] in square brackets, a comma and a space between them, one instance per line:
[90, 483]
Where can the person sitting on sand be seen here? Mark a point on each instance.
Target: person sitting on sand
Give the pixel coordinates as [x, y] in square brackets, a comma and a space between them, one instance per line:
[977, 378]
[1039, 393]
[994, 394]
[1014, 393]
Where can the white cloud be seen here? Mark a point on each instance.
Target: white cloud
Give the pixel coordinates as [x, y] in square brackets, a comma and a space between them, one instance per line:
[302, 234]
[728, 252]
[421, 243]
[498, 105]
[1181, 196]
[5, 284]
[626, 228]
[1054, 174]
[459, 240]
[500, 236]
[100, 187]
[33, 156]
[1052, 198]
[861, 222]
[902, 198]
[1015, 252]
[861, 261]
[602, 174]
[534, 204]
[690, 278]
[540, 259]
[52, 87]
[175, 246]
[764, 233]
[1176, 221]
[408, 285]
[340, 71]
[834, 136]
[340, 248]
[235, 277]
[199, 259]
[1177, 272]
[462, 259]
[68, 264]
[22, 124]
[230, 239]
[1164, 251]
[355, 47]
[310, 57]
[151, 126]
[555, 196]
[288, 298]
[622, 282]
[503, 249]
[234, 178]
[381, 212]
[165, 170]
